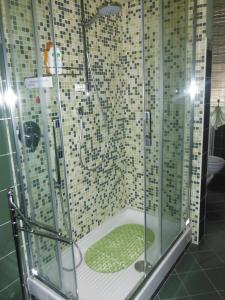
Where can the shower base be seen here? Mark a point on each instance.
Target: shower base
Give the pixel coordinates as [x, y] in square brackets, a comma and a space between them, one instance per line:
[101, 286]
[111, 286]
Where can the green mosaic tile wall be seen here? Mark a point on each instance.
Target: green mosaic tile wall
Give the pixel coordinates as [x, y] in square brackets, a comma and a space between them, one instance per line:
[9, 279]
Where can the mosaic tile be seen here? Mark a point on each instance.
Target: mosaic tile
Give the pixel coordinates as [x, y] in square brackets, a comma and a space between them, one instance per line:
[115, 48]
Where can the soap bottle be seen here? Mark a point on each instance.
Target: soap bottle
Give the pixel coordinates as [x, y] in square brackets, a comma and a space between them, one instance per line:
[49, 59]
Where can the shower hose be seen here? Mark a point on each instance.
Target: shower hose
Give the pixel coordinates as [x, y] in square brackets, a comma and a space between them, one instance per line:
[80, 113]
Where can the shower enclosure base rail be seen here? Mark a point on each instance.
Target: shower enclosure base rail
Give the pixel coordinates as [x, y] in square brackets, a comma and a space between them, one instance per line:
[151, 284]
[41, 290]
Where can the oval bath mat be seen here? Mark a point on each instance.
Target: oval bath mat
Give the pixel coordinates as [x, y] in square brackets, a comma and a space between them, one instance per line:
[118, 249]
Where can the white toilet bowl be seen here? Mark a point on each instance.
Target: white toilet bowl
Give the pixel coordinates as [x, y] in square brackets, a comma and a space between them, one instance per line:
[215, 164]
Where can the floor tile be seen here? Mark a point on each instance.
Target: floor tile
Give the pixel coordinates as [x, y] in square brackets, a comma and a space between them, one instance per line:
[217, 276]
[204, 245]
[4, 111]
[209, 296]
[6, 177]
[216, 242]
[8, 270]
[173, 272]
[216, 215]
[13, 292]
[196, 282]
[214, 227]
[172, 288]
[222, 294]
[187, 264]
[221, 254]
[6, 235]
[208, 259]
[4, 147]
[179, 298]
[4, 211]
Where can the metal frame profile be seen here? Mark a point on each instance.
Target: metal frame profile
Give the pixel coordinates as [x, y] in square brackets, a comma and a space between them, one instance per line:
[30, 225]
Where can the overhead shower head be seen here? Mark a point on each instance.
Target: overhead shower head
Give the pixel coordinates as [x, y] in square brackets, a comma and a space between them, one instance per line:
[106, 10]
[109, 9]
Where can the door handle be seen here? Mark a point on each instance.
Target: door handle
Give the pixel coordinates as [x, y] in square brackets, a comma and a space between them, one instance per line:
[57, 150]
[30, 226]
[148, 136]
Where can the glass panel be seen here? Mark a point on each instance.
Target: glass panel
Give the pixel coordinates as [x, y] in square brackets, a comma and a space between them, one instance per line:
[33, 99]
[152, 107]
[168, 71]
[176, 117]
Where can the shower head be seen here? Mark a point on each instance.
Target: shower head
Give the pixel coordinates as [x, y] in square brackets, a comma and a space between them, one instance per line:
[106, 10]
[109, 9]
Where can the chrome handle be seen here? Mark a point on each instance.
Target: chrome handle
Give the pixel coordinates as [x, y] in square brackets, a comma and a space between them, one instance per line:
[15, 209]
[29, 223]
[58, 152]
[16, 214]
[148, 120]
[57, 237]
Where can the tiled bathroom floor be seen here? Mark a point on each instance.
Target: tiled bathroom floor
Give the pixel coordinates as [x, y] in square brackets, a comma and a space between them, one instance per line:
[200, 273]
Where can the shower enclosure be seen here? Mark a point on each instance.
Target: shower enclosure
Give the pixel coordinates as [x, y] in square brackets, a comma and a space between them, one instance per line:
[101, 128]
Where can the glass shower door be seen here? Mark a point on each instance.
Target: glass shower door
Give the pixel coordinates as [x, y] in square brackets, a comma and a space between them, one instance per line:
[176, 78]
[38, 129]
[168, 73]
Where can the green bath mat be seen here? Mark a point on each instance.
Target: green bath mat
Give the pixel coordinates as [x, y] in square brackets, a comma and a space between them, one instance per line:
[118, 249]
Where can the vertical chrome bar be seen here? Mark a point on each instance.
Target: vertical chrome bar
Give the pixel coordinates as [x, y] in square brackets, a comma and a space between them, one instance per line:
[185, 128]
[148, 121]
[18, 162]
[17, 242]
[144, 130]
[62, 141]
[46, 138]
[56, 124]
[83, 24]
[192, 100]
[161, 99]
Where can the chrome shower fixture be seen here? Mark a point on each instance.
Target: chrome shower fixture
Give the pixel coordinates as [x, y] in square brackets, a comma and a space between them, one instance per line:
[106, 10]
[109, 9]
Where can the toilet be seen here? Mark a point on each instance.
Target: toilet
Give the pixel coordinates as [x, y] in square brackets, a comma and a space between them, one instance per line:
[215, 165]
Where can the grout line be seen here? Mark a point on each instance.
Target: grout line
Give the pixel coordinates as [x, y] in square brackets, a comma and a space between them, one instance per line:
[211, 268]
[182, 283]
[6, 287]
[10, 187]
[218, 292]
[7, 154]
[176, 298]
[218, 256]
[3, 224]
[201, 294]
[213, 233]
[5, 119]
[3, 257]
[202, 269]
[213, 284]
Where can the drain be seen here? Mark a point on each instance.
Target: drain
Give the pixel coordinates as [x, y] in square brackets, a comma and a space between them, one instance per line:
[140, 266]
